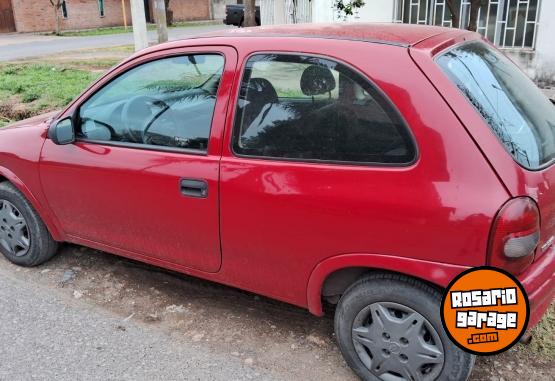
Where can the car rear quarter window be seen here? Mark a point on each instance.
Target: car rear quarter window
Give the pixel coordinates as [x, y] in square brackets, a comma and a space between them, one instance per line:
[514, 108]
[308, 108]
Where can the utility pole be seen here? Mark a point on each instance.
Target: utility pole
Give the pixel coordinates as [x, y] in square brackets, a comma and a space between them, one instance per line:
[139, 24]
[250, 13]
[211, 10]
[162, 25]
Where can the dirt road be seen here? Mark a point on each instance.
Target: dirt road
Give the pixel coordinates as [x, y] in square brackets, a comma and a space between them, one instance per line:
[150, 323]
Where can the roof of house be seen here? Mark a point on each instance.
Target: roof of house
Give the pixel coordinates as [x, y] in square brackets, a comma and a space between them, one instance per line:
[386, 33]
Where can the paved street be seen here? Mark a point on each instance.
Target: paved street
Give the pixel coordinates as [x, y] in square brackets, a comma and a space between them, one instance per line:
[20, 46]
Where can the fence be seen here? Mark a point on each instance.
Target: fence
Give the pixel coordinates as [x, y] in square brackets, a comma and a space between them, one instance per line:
[507, 23]
[296, 11]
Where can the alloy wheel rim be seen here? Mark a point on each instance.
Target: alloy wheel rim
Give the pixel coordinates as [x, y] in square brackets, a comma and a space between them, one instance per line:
[14, 233]
[397, 343]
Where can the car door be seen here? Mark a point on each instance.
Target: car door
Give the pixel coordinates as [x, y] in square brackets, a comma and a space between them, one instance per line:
[313, 142]
[142, 176]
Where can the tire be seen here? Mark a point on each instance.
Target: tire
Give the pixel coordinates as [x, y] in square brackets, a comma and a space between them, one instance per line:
[375, 351]
[24, 239]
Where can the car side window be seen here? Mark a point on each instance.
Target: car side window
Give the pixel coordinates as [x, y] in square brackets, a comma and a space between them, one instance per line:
[310, 108]
[168, 102]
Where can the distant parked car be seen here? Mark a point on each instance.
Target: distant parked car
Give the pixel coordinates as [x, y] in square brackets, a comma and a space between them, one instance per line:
[359, 165]
[235, 15]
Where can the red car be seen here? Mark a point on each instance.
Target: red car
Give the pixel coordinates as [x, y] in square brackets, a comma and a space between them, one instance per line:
[360, 165]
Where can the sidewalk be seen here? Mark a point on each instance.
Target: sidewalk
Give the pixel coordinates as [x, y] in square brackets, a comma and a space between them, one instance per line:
[14, 46]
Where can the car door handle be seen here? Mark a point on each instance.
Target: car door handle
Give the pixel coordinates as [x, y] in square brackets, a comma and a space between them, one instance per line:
[194, 188]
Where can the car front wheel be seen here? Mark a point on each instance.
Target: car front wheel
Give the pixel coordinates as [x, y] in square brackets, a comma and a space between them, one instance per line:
[389, 328]
[24, 239]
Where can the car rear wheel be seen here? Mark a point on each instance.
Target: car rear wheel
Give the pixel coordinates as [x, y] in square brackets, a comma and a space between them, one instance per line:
[24, 239]
[389, 328]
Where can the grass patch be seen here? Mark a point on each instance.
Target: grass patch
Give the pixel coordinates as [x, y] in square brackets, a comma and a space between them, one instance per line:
[93, 64]
[117, 49]
[121, 29]
[102, 31]
[4, 122]
[30, 89]
[543, 342]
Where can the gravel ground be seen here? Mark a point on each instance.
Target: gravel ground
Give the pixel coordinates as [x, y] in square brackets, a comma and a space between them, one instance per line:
[90, 315]
[47, 338]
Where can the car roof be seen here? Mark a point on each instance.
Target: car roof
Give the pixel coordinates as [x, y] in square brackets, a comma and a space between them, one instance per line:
[386, 33]
[431, 38]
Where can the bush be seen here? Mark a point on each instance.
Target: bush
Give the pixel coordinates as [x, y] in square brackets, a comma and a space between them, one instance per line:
[30, 97]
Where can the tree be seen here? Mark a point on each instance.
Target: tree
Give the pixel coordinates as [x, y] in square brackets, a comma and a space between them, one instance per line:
[346, 8]
[161, 22]
[473, 19]
[57, 5]
[169, 13]
[474, 8]
[250, 13]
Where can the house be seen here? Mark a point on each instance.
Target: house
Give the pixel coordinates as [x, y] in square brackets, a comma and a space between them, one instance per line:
[39, 16]
[524, 29]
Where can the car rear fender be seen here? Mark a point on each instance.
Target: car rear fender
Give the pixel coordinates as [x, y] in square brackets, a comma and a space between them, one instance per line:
[437, 273]
[538, 184]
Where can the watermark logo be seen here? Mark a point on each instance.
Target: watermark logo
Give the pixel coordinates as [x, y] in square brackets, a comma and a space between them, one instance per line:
[485, 310]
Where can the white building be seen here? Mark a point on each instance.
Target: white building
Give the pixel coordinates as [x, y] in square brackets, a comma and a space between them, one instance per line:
[525, 29]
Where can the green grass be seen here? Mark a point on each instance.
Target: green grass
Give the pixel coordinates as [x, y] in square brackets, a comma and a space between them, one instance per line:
[543, 342]
[121, 29]
[4, 122]
[102, 31]
[118, 49]
[101, 64]
[29, 89]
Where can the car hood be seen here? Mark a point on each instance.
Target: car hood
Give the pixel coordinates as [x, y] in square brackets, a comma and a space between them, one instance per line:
[32, 122]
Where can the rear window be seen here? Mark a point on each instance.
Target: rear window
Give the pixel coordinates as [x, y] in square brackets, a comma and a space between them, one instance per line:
[516, 110]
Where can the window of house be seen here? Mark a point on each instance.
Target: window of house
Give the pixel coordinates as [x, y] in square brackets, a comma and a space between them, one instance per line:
[101, 7]
[309, 108]
[166, 103]
[64, 10]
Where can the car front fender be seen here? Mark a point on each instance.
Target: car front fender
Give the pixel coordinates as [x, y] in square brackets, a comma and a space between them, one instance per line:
[43, 213]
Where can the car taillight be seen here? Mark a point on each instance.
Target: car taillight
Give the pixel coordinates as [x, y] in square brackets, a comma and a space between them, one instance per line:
[515, 235]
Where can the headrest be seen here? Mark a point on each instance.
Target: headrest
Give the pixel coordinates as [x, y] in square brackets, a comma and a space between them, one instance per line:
[317, 80]
[260, 90]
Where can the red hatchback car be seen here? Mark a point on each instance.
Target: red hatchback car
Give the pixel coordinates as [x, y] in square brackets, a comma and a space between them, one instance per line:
[361, 165]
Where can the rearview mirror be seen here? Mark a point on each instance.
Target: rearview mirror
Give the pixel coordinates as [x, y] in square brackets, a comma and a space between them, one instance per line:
[196, 59]
[62, 132]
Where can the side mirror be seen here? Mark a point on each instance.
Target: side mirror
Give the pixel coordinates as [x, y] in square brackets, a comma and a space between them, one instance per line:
[62, 132]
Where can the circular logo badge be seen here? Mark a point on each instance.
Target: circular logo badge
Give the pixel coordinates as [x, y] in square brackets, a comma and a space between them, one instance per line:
[485, 310]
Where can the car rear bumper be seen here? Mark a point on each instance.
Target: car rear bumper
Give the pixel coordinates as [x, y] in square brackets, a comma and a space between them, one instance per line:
[539, 283]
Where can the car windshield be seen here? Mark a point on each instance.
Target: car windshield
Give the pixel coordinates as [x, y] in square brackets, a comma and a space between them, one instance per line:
[516, 110]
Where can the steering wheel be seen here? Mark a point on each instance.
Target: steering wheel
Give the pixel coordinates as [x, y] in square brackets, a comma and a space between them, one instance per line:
[137, 116]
